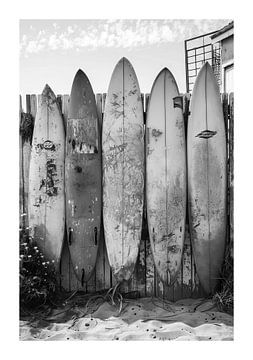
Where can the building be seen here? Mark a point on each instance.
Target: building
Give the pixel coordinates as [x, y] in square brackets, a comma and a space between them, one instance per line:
[224, 39]
[217, 48]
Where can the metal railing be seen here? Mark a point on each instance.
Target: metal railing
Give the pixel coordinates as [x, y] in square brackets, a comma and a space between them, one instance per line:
[198, 50]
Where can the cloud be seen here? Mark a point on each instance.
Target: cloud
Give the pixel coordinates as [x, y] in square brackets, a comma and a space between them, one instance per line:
[113, 33]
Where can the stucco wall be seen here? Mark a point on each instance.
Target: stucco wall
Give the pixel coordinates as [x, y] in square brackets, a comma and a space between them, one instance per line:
[227, 52]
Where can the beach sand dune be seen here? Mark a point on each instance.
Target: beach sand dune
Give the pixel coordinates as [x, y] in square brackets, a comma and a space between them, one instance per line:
[142, 319]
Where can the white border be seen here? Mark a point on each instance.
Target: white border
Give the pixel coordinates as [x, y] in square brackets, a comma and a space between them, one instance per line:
[14, 10]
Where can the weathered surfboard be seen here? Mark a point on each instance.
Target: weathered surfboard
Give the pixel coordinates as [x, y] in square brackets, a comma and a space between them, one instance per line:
[166, 175]
[123, 170]
[83, 178]
[46, 200]
[206, 147]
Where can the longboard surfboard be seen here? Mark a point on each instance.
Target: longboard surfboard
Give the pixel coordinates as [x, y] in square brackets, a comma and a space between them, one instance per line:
[206, 146]
[83, 178]
[46, 204]
[166, 176]
[123, 170]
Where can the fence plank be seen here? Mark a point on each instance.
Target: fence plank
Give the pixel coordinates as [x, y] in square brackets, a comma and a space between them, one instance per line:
[74, 282]
[186, 105]
[186, 266]
[159, 286]
[33, 105]
[65, 107]
[177, 286]
[59, 100]
[91, 284]
[99, 101]
[26, 154]
[150, 269]
[224, 99]
[21, 176]
[28, 103]
[100, 273]
[140, 269]
[146, 102]
[65, 266]
[103, 102]
[107, 268]
[231, 174]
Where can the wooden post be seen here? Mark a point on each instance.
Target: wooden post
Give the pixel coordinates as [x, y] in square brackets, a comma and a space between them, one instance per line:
[21, 175]
[231, 174]
[224, 99]
[26, 154]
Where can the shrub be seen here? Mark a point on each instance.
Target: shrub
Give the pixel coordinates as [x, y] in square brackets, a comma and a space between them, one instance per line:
[38, 278]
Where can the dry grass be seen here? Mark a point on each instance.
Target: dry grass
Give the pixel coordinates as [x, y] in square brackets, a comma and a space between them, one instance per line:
[224, 297]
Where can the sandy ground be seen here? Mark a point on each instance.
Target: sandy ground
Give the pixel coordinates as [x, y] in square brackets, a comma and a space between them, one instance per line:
[142, 319]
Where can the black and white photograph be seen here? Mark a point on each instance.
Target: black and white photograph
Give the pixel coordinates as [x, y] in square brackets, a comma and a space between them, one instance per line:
[126, 179]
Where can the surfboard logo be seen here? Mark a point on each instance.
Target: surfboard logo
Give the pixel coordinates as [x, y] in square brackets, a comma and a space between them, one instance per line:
[206, 134]
[178, 102]
[48, 145]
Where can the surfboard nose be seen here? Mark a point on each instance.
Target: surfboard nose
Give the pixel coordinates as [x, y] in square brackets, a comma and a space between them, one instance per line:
[47, 91]
[124, 62]
[48, 96]
[81, 94]
[206, 67]
[79, 78]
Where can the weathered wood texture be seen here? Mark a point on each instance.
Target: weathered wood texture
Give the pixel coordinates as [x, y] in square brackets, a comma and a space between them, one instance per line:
[145, 279]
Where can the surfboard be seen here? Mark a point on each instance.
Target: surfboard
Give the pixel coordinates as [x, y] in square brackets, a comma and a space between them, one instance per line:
[206, 146]
[166, 175]
[123, 170]
[83, 178]
[46, 200]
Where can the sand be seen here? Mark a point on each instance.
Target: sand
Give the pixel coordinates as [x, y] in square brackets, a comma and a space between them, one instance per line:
[142, 319]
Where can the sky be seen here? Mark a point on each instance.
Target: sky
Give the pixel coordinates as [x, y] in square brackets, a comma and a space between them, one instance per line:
[51, 51]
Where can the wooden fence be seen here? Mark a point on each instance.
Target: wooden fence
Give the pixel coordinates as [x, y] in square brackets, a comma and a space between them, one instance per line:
[145, 279]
